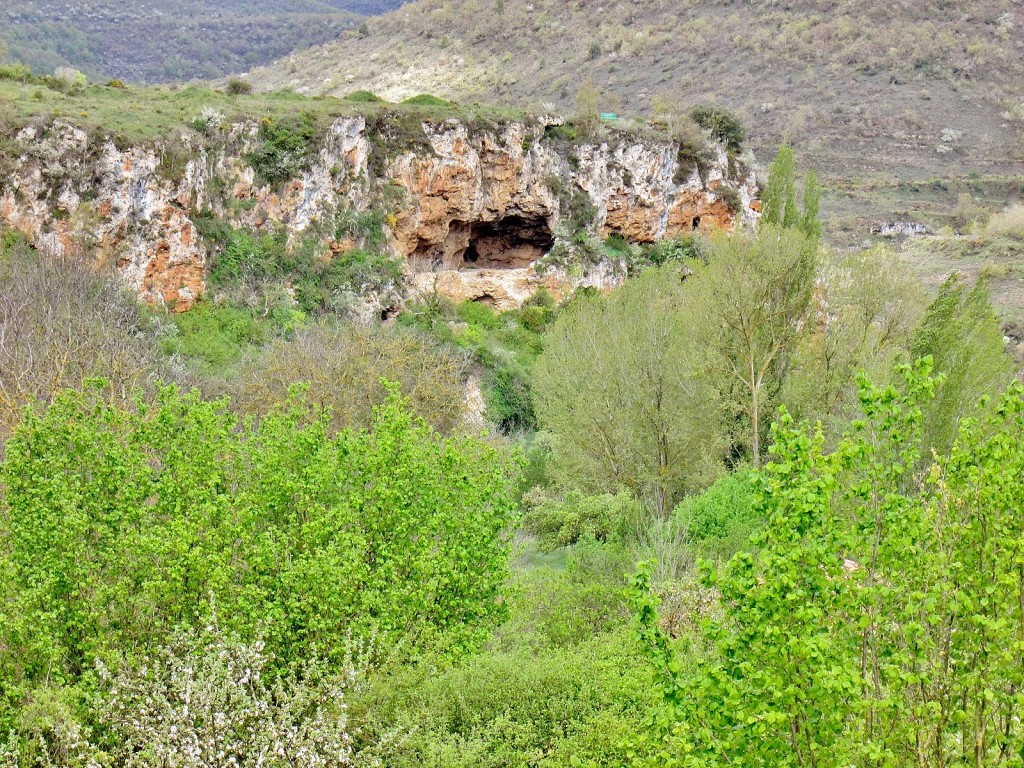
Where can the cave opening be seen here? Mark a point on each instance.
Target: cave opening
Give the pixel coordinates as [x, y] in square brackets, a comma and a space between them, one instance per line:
[509, 243]
[486, 299]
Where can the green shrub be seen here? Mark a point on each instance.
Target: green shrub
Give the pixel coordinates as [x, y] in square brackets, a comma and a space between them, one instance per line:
[536, 452]
[579, 518]
[363, 97]
[283, 147]
[238, 87]
[562, 599]
[535, 319]
[509, 405]
[17, 73]
[241, 257]
[721, 520]
[12, 241]
[565, 132]
[247, 257]
[479, 314]
[556, 708]
[215, 335]
[426, 100]
[357, 271]
[677, 250]
[723, 125]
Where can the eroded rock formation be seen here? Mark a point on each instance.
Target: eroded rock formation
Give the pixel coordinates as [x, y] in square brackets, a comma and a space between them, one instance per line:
[477, 209]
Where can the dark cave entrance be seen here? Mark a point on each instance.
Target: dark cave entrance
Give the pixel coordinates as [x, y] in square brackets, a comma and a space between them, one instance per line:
[509, 243]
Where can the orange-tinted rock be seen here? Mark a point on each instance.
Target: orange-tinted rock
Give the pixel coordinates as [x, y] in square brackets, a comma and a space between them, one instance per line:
[631, 219]
[478, 209]
[693, 211]
[175, 284]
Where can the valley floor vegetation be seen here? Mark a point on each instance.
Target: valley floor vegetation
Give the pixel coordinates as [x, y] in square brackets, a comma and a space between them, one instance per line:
[758, 506]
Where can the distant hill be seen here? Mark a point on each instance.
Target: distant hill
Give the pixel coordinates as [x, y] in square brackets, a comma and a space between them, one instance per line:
[177, 40]
[904, 106]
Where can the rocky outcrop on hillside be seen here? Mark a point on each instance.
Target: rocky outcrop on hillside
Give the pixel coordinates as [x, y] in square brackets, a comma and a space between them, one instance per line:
[478, 213]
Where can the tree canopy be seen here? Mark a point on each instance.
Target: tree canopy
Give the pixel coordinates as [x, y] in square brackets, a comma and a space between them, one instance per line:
[124, 524]
[879, 622]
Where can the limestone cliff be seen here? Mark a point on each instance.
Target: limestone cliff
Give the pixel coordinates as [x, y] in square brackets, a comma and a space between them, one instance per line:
[475, 211]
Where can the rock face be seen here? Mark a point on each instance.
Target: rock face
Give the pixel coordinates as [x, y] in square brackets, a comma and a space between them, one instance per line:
[107, 205]
[471, 211]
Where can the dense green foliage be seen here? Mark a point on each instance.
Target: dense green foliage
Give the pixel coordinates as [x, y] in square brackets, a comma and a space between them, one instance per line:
[215, 335]
[554, 708]
[618, 388]
[723, 125]
[880, 621]
[577, 518]
[959, 331]
[123, 524]
[284, 147]
[505, 345]
[248, 262]
[721, 520]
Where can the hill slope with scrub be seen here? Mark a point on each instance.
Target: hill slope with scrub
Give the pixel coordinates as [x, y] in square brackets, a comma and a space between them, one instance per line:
[882, 98]
[180, 40]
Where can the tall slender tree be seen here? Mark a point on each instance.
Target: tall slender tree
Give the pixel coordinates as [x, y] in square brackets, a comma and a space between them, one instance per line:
[754, 302]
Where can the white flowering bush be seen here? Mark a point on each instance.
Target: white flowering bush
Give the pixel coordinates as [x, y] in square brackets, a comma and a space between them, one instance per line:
[210, 121]
[47, 734]
[210, 701]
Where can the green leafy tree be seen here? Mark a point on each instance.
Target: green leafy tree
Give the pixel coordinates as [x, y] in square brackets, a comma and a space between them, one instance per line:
[780, 196]
[617, 388]
[871, 305]
[122, 524]
[960, 332]
[754, 304]
[881, 621]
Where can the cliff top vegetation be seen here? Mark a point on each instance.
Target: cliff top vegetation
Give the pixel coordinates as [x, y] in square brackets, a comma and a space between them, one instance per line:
[146, 113]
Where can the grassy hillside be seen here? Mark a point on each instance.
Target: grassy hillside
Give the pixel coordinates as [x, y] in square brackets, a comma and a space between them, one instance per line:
[881, 97]
[178, 40]
[151, 112]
